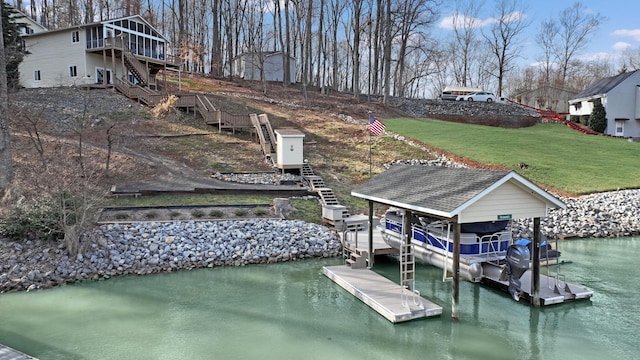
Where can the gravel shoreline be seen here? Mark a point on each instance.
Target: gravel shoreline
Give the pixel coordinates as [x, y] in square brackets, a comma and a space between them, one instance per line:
[152, 247]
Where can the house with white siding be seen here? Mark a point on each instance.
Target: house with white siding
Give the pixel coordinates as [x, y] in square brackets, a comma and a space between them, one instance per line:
[620, 97]
[249, 66]
[126, 49]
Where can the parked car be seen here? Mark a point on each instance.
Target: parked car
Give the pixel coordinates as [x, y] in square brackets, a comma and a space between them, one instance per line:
[478, 96]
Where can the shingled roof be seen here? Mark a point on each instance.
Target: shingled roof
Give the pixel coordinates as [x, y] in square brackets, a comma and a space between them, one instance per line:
[440, 191]
[603, 86]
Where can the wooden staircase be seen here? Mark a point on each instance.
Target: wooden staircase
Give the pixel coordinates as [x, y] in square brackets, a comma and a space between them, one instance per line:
[136, 68]
[327, 197]
[206, 109]
[266, 135]
[306, 170]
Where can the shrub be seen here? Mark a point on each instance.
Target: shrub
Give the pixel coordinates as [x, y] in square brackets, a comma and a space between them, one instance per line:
[121, 216]
[174, 214]
[44, 219]
[598, 118]
[216, 213]
[574, 118]
[197, 213]
[584, 119]
[36, 221]
[240, 212]
[151, 214]
[260, 212]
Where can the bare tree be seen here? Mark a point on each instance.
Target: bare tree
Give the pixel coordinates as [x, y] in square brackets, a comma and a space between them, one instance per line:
[337, 8]
[387, 54]
[545, 39]
[357, 12]
[575, 27]
[465, 42]
[413, 15]
[509, 24]
[6, 169]
[631, 59]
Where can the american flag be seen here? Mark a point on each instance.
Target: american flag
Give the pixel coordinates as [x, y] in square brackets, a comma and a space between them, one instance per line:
[375, 126]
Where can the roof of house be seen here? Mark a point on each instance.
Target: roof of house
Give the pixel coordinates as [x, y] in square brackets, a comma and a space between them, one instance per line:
[441, 191]
[82, 26]
[603, 86]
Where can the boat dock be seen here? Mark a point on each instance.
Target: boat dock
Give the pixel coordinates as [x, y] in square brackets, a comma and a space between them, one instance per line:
[389, 299]
[7, 353]
[381, 294]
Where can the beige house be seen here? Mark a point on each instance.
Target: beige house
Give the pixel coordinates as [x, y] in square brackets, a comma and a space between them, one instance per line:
[128, 49]
[547, 97]
[27, 24]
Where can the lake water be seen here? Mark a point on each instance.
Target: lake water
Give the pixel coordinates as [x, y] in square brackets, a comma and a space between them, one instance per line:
[292, 311]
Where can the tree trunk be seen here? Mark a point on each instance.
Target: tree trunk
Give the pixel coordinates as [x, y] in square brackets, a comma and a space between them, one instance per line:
[287, 49]
[357, 10]
[6, 168]
[387, 55]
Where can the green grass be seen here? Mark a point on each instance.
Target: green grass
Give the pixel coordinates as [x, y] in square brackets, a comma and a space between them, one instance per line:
[558, 157]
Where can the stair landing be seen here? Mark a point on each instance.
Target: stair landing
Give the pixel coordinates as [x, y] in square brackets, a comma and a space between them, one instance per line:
[379, 293]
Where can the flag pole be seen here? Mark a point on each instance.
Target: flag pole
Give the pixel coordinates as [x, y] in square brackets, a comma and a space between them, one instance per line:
[369, 154]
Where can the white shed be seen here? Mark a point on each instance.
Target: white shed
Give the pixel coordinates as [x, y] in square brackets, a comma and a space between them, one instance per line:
[289, 150]
[249, 65]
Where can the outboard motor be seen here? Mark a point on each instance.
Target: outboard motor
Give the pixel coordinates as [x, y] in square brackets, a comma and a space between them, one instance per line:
[518, 258]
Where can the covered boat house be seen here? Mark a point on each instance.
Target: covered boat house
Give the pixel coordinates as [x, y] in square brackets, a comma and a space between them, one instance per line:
[459, 196]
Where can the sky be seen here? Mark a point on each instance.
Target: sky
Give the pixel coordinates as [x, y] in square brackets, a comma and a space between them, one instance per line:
[619, 30]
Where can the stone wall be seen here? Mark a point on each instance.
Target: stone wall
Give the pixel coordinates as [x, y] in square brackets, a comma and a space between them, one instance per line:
[481, 113]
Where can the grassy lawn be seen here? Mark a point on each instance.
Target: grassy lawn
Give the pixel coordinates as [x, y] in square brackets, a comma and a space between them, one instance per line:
[558, 157]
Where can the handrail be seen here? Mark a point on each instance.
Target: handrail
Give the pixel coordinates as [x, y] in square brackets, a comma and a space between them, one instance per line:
[256, 124]
[264, 120]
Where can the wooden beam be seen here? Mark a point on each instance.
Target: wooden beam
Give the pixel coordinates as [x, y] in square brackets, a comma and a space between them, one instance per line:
[535, 281]
[455, 286]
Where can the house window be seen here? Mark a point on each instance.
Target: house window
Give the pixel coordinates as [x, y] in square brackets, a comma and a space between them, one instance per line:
[36, 75]
[73, 71]
[619, 128]
[75, 36]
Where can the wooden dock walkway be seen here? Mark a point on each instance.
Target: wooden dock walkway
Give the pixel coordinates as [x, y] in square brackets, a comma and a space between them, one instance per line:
[380, 293]
[7, 353]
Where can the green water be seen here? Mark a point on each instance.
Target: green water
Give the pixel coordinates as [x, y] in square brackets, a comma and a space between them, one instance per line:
[291, 311]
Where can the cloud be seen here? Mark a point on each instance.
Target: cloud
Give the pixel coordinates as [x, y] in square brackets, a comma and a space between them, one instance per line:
[598, 56]
[449, 22]
[621, 46]
[634, 34]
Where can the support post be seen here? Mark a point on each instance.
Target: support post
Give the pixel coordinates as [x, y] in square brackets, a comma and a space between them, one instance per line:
[455, 286]
[535, 283]
[370, 234]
